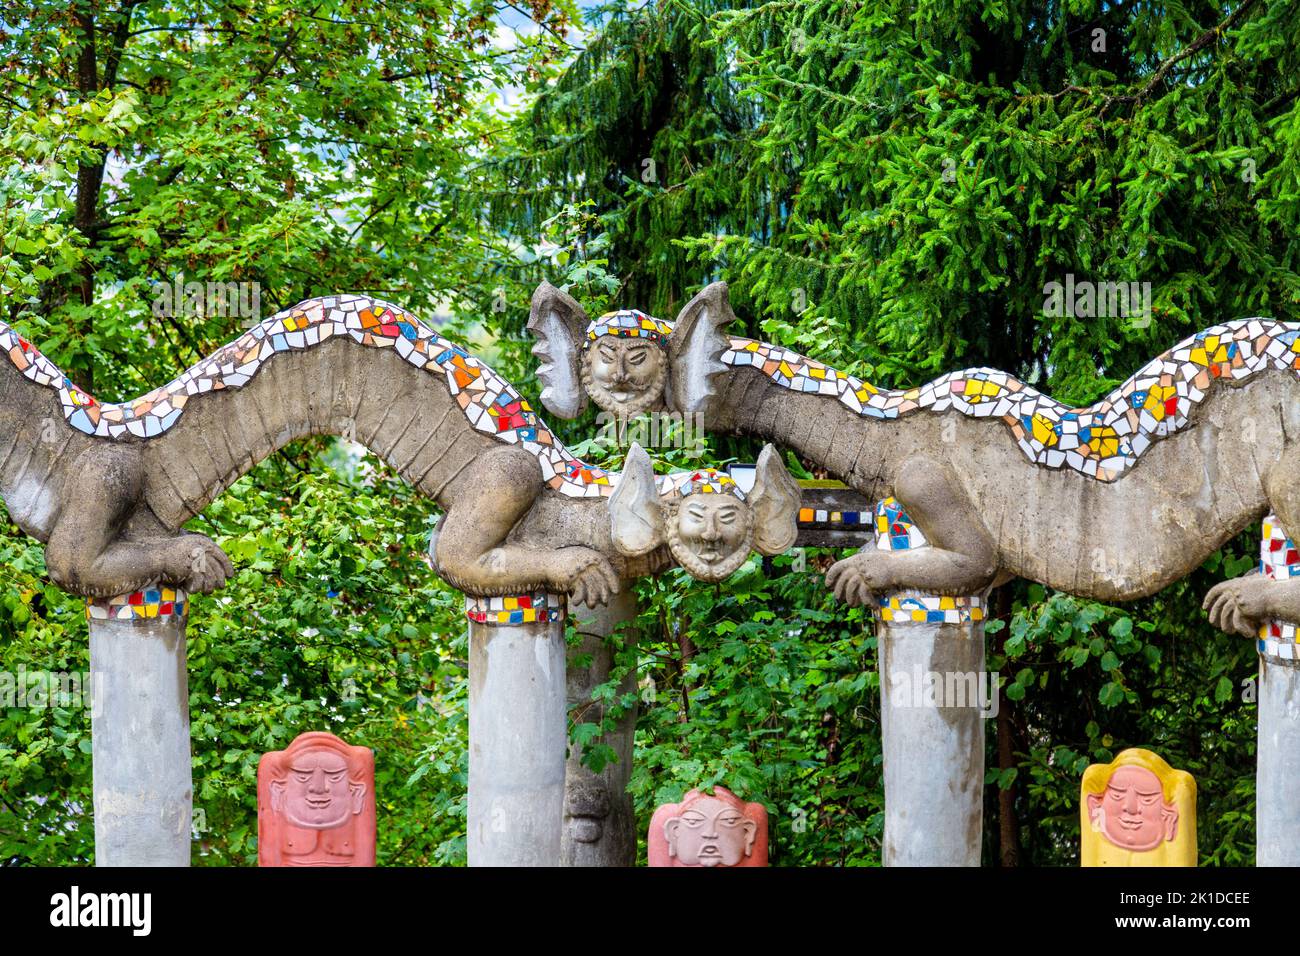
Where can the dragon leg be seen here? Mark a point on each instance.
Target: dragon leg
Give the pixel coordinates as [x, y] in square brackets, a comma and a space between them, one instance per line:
[105, 543]
[472, 550]
[961, 559]
[1241, 605]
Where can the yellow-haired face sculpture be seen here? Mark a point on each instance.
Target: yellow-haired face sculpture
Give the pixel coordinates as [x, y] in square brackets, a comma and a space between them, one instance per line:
[1137, 811]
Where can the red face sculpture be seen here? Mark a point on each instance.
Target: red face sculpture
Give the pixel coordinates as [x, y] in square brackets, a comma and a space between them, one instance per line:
[1132, 812]
[709, 830]
[316, 804]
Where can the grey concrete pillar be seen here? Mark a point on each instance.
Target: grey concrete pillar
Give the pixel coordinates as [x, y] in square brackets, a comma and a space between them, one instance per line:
[934, 698]
[517, 731]
[140, 731]
[1277, 769]
[1277, 772]
[599, 823]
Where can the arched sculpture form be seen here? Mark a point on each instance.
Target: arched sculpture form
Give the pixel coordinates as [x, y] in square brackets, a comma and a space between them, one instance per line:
[708, 830]
[107, 487]
[1113, 501]
[1137, 811]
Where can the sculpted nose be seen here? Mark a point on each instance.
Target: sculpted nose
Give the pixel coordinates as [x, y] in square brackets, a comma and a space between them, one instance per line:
[317, 784]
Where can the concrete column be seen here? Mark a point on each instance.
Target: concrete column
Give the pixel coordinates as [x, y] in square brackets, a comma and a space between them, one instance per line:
[599, 824]
[933, 748]
[140, 729]
[517, 730]
[1277, 769]
[934, 696]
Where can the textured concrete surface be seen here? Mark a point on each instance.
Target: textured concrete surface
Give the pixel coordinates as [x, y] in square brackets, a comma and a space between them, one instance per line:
[140, 734]
[599, 825]
[517, 741]
[1277, 814]
[934, 755]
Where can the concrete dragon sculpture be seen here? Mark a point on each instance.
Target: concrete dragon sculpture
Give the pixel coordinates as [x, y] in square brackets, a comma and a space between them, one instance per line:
[1113, 501]
[108, 486]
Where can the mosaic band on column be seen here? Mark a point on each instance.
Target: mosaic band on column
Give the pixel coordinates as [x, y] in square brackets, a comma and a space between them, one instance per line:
[895, 531]
[540, 607]
[1278, 560]
[139, 606]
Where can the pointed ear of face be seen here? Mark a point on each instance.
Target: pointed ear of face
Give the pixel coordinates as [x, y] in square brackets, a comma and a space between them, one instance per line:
[695, 349]
[775, 500]
[1169, 820]
[636, 522]
[559, 323]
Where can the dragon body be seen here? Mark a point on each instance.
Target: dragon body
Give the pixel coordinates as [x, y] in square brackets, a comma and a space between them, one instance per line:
[1113, 501]
[108, 486]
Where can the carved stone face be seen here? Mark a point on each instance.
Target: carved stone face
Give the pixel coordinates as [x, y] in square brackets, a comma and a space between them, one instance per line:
[624, 375]
[587, 806]
[709, 832]
[1132, 812]
[316, 793]
[710, 535]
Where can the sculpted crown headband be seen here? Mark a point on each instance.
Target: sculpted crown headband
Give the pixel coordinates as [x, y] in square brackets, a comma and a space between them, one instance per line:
[706, 481]
[629, 323]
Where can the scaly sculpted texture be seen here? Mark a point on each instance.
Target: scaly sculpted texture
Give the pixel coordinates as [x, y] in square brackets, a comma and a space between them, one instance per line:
[1103, 440]
[108, 487]
[1004, 480]
[489, 402]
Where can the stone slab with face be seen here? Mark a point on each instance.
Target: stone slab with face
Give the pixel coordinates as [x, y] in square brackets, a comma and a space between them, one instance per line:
[708, 830]
[316, 804]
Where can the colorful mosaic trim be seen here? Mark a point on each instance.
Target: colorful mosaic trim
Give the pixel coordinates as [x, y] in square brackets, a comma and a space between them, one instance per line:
[629, 323]
[930, 609]
[848, 519]
[539, 607]
[706, 481]
[145, 605]
[1278, 559]
[489, 402]
[1103, 440]
[895, 531]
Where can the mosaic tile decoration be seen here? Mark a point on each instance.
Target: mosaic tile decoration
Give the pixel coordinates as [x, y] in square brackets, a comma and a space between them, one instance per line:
[1103, 440]
[490, 403]
[895, 531]
[629, 323]
[1278, 559]
[704, 481]
[143, 605]
[538, 607]
[847, 519]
